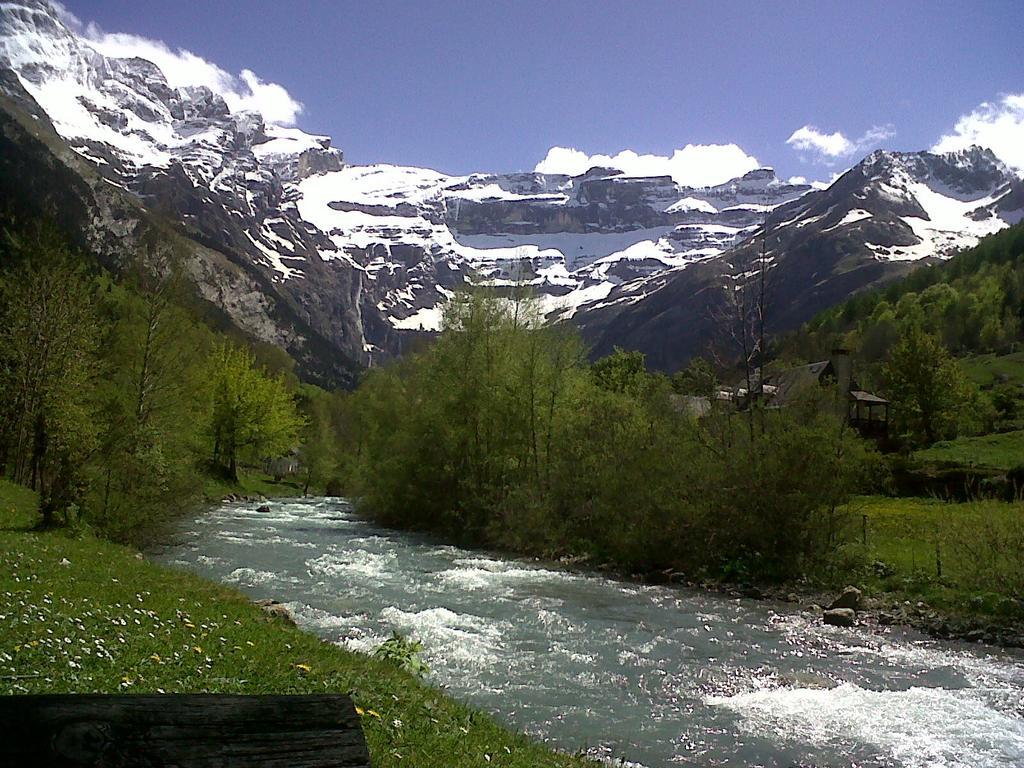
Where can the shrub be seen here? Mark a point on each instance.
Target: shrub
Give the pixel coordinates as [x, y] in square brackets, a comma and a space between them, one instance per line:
[404, 653]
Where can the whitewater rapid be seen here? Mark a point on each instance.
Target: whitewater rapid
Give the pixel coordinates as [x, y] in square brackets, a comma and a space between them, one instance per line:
[655, 675]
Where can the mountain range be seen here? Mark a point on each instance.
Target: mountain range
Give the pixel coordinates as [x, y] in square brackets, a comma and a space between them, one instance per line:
[344, 265]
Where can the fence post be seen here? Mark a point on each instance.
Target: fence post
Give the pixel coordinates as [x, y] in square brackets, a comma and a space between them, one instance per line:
[938, 559]
[864, 530]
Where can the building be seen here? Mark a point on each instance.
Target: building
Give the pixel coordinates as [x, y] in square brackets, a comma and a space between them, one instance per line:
[865, 411]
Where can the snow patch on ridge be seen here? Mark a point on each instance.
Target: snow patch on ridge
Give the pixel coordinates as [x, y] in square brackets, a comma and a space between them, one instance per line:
[285, 142]
[949, 225]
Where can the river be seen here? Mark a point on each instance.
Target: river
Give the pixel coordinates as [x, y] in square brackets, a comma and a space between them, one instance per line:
[658, 676]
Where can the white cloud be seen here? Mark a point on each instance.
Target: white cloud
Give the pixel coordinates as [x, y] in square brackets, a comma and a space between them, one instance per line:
[183, 68]
[998, 126]
[829, 147]
[875, 135]
[695, 165]
[810, 139]
[270, 99]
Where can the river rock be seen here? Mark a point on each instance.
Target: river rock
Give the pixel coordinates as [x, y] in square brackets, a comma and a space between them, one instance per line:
[276, 610]
[840, 617]
[882, 569]
[806, 680]
[263, 508]
[850, 598]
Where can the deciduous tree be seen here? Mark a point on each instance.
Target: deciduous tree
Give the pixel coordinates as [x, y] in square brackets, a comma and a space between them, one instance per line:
[930, 392]
[251, 414]
[47, 339]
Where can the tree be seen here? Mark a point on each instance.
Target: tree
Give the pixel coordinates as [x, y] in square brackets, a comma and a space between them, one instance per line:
[471, 425]
[621, 371]
[319, 441]
[251, 413]
[879, 332]
[697, 378]
[743, 317]
[929, 390]
[47, 341]
[149, 402]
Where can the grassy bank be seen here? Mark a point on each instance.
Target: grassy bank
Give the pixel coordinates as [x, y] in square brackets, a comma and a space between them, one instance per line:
[1000, 451]
[989, 369]
[965, 559]
[83, 615]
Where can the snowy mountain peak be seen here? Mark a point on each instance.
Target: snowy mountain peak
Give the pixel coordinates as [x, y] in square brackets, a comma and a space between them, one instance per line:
[123, 114]
[366, 253]
[890, 210]
[34, 38]
[413, 234]
[970, 169]
[905, 206]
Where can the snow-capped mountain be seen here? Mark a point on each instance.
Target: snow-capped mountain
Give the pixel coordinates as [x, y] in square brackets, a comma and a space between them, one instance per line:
[890, 212]
[350, 261]
[405, 236]
[571, 238]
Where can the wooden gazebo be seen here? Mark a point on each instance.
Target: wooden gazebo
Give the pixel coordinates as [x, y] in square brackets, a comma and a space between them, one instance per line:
[869, 413]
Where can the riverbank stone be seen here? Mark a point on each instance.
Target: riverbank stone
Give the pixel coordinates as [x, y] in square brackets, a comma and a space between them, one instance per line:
[807, 680]
[840, 617]
[851, 598]
[276, 610]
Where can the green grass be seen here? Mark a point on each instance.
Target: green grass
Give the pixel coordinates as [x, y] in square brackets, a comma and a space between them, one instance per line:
[82, 615]
[978, 547]
[1000, 451]
[990, 369]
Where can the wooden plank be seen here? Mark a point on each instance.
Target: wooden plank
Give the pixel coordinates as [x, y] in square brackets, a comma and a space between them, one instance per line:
[181, 731]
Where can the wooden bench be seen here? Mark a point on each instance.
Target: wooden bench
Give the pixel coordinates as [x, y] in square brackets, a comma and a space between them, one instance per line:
[181, 731]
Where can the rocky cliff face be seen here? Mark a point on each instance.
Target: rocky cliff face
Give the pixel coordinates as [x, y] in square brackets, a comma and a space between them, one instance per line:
[121, 196]
[419, 234]
[346, 263]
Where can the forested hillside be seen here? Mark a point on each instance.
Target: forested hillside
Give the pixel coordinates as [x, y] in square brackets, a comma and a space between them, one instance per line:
[940, 343]
[123, 395]
[974, 303]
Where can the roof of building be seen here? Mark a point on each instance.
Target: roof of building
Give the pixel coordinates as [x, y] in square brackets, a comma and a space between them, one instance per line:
[790, 382]
[866, 397]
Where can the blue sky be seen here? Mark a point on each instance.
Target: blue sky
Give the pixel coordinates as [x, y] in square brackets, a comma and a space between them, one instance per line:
[482, 85]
